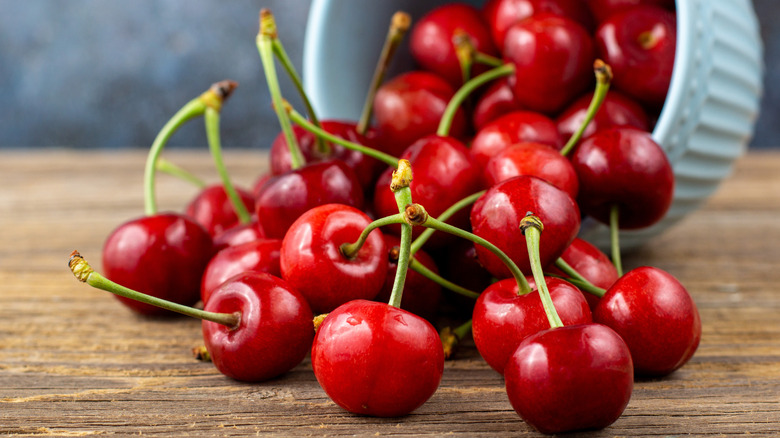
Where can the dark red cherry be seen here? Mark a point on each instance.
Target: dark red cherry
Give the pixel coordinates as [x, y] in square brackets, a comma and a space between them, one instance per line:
[571, 378]
[592, 264]
[274, 333]
[409, 107]
[639, 45]
[239, 234]
[603, 9]
[496, 217]
[431, 40]
[616, 110]
[213, 209]
[313, 263]
[624, 167]
[656, 316]
[502, 317]
[285, 197]
[259, 255]
[375, 359]
[553, 56]
[162, 255]
[536, 159]
[496, 101]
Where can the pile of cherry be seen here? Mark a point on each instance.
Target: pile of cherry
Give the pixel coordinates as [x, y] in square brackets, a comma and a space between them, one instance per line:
[461, 191]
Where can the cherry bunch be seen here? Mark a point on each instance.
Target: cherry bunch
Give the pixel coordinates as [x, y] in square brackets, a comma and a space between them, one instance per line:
[457, 181]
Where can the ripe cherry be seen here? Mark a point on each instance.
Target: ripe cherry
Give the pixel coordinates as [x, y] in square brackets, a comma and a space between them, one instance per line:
[260, 255]
[213, 209]
[603, 9]
[535, 159]
[616, 110]
[239, 234]
[497, 100]
[592, 264]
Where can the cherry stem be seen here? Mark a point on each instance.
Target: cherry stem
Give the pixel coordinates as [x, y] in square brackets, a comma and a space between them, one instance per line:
[465, 52]
[301, 121]
[444, 216]
[416, 213]
[350, 250]
[465, 90]
[399, 184]
[399, 25]
[84, 273]
[489, 60]
[211, 118]
[532, 228]
[450, 338]
[166, 166]
[603, 74]
[423, 270]
[578, 279]
[194, 108]
[614, 237]
[264, 42]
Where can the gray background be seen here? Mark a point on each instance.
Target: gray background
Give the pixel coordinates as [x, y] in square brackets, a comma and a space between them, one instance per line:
[109, 73]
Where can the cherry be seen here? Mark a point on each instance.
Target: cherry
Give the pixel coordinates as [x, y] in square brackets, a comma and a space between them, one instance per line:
[497, 214]
[546, 43]
[535, 159]
[375, 359]
[616, 110]
[431, 40]
[313, 262]
[239, 234]
[590, 263]
[656, 317]
[410, 106]
[213, 209]
[570, 378]
[511, 128]
[503, 317]
[624, 169]
[639, 44]
[603, 9]
[283, 198]
[497, 100]
[259, 255]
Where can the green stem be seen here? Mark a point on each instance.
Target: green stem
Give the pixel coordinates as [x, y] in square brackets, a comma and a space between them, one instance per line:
[264, 42]
[614, 234]
[444, 216]
[350, 250]
[465, 53]
[484, 58]
[170, 168]
[532, 229]
[301, 121]
[423, 270]
[585, 286]
[463, 92]
[399, 184]
[576, 277]
[84, 273]
[211, 118]
[603, 79]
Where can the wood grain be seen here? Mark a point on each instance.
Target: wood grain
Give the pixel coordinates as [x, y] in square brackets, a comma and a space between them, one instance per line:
[74, 362]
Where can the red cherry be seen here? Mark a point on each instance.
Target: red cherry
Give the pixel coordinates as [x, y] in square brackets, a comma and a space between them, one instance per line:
[239, 234]
[313, 263]
[459, 264]
[496, 101]
[592, 264]
[603, 9]
[656, 317]
[431, 44]
[553, 56]
[515, 127]
[502, 317]
[496, 217]
[375, 359]
[534, 159]
[502, 14]
[639, 45]
[570, 378]
[616, 110]
[284, 198]
[212, 208]
[162, 255]
[274, 332]
[410, 106]
[258, 255]
[624, 167]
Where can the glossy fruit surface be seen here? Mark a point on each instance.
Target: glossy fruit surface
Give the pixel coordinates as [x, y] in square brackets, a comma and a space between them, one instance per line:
[535, 159]
[576, 377]
[239, 234]
[592, 264]
[497, 100]
[616, 110]
[274, 333]
[258, 255]
[212, 208]
[375, 359]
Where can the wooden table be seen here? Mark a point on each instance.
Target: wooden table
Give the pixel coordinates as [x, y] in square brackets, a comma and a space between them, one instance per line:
[75, 362]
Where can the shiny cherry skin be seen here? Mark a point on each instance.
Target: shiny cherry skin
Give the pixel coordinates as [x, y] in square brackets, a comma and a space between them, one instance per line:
[656, 316]
[163, 255]
[496, 217]
[639, 45]
[239, 234]
[312, 262]
[285, 197]
[497, 100]
[502, 317]
[624, 167]
[421, 295]
[459, 264]
[535, 159]
[366, 168]
[259, 255]
[213, 209]
[590, 262]
[511, 128]
[431, 40]
[410, 106]
[603, 9]
[274, 333]
[375, 359]
[553, 56]
[617, 109]
[577, 377]
[502, 14]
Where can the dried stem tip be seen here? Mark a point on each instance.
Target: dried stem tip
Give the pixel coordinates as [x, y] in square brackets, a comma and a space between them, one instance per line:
[317, 321]
[267, 23]
[216, 95]
[415, 215]
[401, 21]
[402, 176]
[603, 72]
[79, 267]
[531, 221]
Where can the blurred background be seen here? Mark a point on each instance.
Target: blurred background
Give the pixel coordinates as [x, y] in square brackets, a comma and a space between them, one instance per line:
[109, 74]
